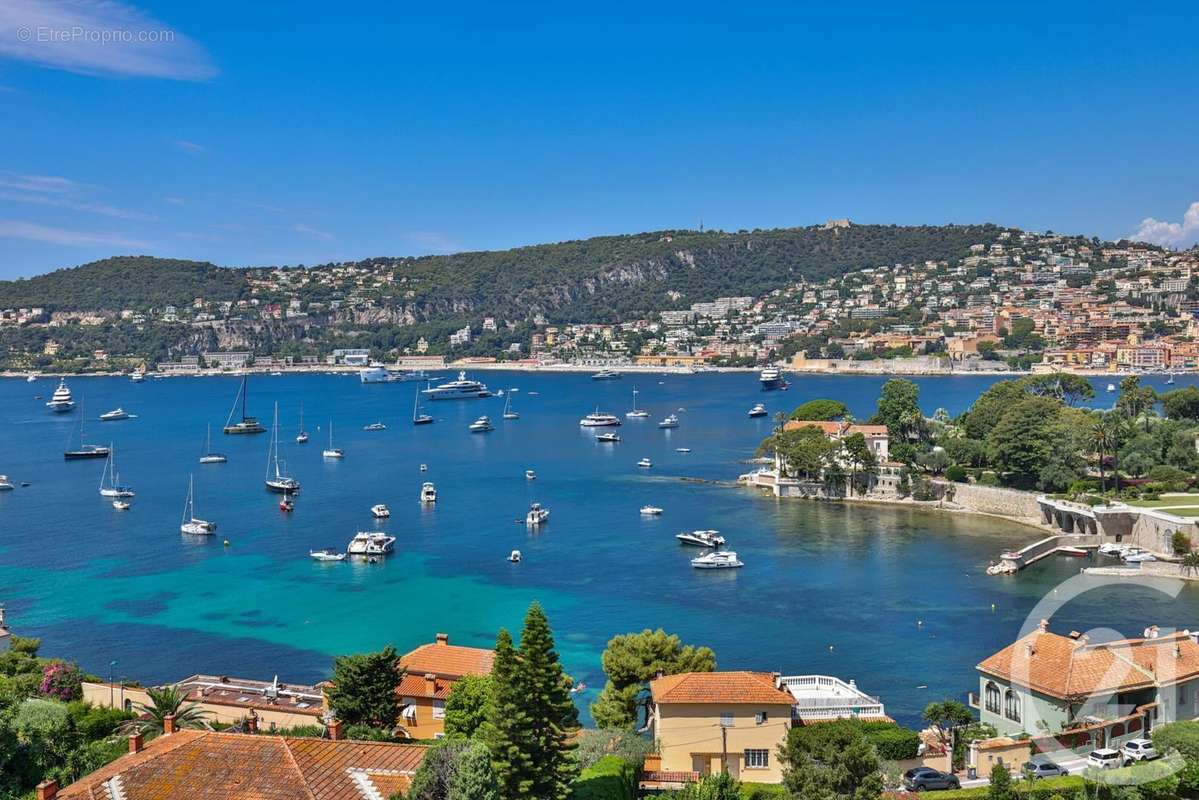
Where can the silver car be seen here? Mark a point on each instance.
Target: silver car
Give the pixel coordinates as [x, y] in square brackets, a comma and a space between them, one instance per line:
[1042, 768]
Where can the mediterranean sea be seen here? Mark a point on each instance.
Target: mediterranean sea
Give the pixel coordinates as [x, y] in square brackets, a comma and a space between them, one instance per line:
[893, 597]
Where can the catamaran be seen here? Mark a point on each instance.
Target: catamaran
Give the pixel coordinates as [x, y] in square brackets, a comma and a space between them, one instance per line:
[246, 424]
[636, 413]
[277, 479]
[190, 522]
[331, 451]
[84, 450]
[110, 485]
[417, 417]
[302, 436]
[209, 457]
[508, 412]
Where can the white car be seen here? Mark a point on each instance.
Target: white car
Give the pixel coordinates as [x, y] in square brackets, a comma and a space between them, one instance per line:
[1105, 758]
[1139, 750]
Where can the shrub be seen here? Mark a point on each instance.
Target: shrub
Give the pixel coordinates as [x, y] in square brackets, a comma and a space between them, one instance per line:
[610, 778]
[762, 791]
[956, 473]
[62, 681]
[595, 743]
[367, 733]
[1183, 737]
[1181, 543]
[893, 742]
[988, 478]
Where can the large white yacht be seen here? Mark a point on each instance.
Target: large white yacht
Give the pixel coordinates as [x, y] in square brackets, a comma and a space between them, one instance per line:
[376, 373]
[460, 389]
[60, 402]
[721, 559]
[371, 543]
[770, 378]
[537, 515]
[671, 421]
[428, 493]
[481, 425]
[598, 419]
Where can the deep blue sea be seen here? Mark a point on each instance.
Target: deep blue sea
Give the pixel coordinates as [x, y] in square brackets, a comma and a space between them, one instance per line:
[828, 589]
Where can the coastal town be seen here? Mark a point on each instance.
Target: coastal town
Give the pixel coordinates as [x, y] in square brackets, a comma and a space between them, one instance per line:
[1023, 301]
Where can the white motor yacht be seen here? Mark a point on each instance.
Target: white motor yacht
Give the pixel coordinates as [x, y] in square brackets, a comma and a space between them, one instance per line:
[671, 421]
[371, 543]
[530, 475]
[460, 389]
[5, 484]
[605, 375]
[758, 411]
[701, 538]
[121, 505]
[650, 511]
[1139, 557]
[114, 415]
[60, 402]
[537, 515]
[1111, 387]
[482, 425]
[645, 463]
[374, 426]
[190, 522]
[596, 419]
[327, 554]
[514, 556]
[721, 559]
[428, 493]
[607, 437]
[380, 511]
[770, 378]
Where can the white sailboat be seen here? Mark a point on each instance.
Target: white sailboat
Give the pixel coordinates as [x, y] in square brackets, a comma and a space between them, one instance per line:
[331, 451]
[277, 479]
[209, 457]
[508, 412]
[110, 485]
[417, 417]
[636, 413]
[190, 522]
[302, 436]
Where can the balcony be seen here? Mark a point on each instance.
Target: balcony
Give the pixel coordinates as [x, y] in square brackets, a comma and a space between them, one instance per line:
[821, 697]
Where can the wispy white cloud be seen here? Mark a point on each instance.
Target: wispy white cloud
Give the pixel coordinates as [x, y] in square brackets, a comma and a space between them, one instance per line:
[311, 231]
[19, 229]
[190, 147]
[52, 184]
[434, 242]
[99, 37]
[175, 201]
[1171, 234]
[63, 202]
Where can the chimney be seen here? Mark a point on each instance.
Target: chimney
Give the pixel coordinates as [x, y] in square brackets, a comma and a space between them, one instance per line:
[443, 638]
[136, 742]
[334, 730]
[1043, 625]
[168, 724]
[430, 684]
[1029, 650]
[777, 679]
[252, 722]
[47, 789]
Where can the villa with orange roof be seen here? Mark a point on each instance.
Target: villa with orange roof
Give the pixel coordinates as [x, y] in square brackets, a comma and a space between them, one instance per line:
[1095, 693]
[430, 671]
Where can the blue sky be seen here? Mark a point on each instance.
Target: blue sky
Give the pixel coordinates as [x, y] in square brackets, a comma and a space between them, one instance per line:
[267, 133]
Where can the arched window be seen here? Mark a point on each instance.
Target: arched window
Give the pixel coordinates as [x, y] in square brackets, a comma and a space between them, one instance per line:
[991, 697]
[1117, 730]
[1011, 705]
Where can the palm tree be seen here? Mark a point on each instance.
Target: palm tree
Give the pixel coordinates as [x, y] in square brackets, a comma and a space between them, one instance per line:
[1190, 561]
[1102, 438]
[165, 701]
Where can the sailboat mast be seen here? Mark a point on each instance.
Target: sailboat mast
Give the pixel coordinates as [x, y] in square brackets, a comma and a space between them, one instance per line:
[244, 392]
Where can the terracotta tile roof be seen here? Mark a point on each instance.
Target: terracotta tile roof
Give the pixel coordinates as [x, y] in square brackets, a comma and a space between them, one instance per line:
[719, 687]
[1066, 667]
[448, 660]
[836, 428]
[205, 765]
[413, 685]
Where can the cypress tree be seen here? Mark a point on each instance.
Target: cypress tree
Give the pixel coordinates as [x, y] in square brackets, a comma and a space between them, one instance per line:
[551, 714]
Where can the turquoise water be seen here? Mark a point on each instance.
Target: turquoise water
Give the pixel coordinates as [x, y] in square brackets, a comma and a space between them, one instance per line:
[826, 588]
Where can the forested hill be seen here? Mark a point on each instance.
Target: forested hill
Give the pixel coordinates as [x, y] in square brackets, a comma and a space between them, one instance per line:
[594, 280]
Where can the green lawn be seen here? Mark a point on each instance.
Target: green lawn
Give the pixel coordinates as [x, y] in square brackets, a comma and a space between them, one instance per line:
[1176, 500]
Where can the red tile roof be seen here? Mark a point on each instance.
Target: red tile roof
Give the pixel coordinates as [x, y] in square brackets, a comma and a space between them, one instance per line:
[719, 687]
[205, 765]
[412, 685]
[836, 428]
[448, 660]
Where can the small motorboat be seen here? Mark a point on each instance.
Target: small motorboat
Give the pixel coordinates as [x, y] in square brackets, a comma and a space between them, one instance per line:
[1073, 552]
[645, 463]
[578, 687]
[682, 449]
[1112, 549]
[530, 475]
[537, 515]
[610, 438]
[1139, 557]
[114, 415]
[380, 511]
[671, 421]
[721, 559]
[121, 505]
[428, 493]
[374, 426]
[701, 538]
[1111, 387]
[650, 511]
[371, 543]
[482, 425]
[326, 554]
[5, 484]
[287, 504]
[758, 411]
[514, 556]
[424, 468]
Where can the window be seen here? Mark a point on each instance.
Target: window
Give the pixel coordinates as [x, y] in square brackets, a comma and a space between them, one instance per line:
[1011, 705]
[757, 759]
[726, 719]
[991, 697]
[761, 717]
[438, 709]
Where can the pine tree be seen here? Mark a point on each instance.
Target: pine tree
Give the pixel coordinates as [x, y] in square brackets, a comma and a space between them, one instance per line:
[475, 779]
[551, 712]
[510, 757]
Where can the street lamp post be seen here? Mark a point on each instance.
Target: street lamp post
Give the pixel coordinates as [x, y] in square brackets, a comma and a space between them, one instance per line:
[111, 667]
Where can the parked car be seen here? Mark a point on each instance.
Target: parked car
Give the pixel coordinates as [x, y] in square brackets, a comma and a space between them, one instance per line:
[924, 778]
[1105, 758]
[1042, 768]
[1138, 750]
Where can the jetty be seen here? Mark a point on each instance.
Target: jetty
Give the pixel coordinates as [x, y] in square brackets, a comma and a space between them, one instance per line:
[1016, 560]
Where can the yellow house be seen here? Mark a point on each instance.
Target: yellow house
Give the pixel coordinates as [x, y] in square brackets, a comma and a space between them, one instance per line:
[430, 671]
[706, 722]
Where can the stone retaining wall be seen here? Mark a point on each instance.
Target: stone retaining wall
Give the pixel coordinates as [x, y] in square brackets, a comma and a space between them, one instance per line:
[993, 500]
